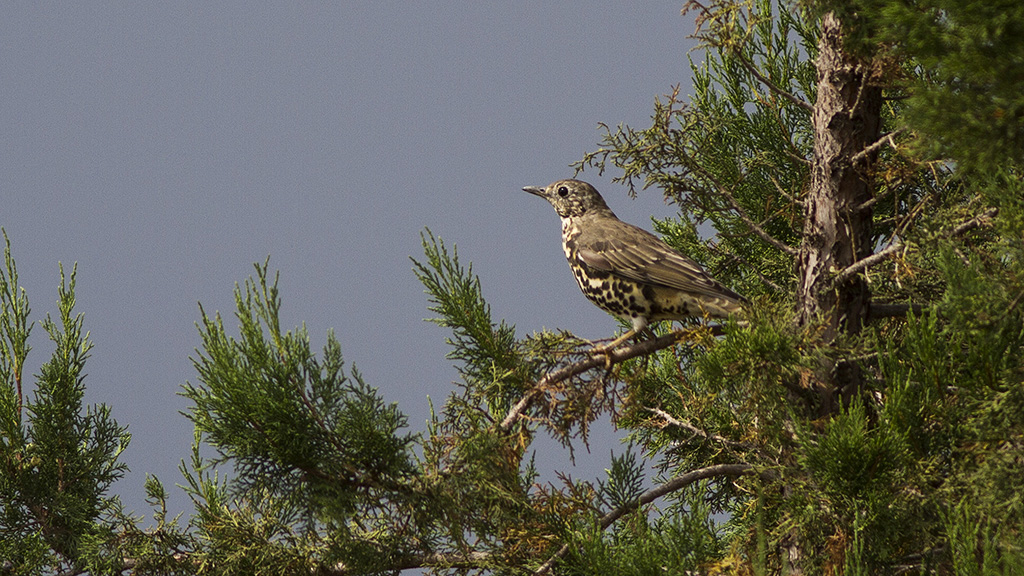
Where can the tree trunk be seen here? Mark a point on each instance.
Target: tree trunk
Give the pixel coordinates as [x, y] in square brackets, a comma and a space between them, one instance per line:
[837, 226]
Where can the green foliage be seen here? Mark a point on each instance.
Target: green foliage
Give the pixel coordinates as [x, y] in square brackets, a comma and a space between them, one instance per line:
[864, 488]
[285, 416]
[674, 545]
[487, 352]
[625, 480]
[58, 457]
[733, 144]
[321, 467]
[975, 546]
[743, 458]
[965, 91]
[851, 460]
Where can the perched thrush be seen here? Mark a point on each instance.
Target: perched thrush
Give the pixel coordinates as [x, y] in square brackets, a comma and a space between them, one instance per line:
[629, 272]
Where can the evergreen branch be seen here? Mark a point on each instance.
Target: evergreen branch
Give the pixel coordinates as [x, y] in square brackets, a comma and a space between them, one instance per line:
[785, 194]
[754, 226]
[673, 421]
[864, 263]
[426, 560]
[611, 357]
[876, 311]
[737, 258]
[877, 257]
[356, 477]
[126, 565]
[789, 96]
[673, 485]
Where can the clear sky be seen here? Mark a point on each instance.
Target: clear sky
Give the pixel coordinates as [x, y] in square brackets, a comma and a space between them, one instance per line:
[165, 147]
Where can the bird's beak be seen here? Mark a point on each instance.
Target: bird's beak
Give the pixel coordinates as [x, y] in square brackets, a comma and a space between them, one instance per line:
[535, 190]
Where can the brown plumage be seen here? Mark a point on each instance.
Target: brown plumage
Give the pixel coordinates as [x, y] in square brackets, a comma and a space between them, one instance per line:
[627, 271]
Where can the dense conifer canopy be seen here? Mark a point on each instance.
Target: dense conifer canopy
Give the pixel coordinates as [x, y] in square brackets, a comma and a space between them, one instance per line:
[860, 167]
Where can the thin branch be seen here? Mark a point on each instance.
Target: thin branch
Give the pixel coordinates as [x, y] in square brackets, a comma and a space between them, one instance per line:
[797, 158]
[963, 257]
[876, 311]
[749, 266]
[912, 561]
[426, 560]
[792, 151]
[863, 263]
[1014, 303]
[771, 85]
[877, 257]
[612, 357]
[673, 485]
[785, 194]
[866, 204]
[882, 141]
[673, 421]
[746, 219]
[974, 222]
[860, 91]
[356, 476]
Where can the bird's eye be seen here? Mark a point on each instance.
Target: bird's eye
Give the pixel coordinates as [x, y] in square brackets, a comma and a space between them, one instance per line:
[563, 191]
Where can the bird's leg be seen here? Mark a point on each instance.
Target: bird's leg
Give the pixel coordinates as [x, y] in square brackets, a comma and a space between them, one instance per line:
[614, 343]
[639, 325]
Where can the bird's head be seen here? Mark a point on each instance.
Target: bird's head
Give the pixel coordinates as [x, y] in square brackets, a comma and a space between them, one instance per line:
[571, 198]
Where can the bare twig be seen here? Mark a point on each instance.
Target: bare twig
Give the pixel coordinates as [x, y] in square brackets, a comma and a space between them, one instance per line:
[673, 485]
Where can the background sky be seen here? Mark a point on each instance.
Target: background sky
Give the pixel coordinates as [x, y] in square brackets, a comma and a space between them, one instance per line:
[166, 147]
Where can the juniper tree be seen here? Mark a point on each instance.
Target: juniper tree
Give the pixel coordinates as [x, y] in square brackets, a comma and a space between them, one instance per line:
[852, 168]
[884, 249]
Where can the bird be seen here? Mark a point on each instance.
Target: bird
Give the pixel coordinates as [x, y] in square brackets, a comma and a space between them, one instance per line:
[627, 271]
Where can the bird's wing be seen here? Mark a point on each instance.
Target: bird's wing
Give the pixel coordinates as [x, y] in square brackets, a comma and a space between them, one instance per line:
[636, 254]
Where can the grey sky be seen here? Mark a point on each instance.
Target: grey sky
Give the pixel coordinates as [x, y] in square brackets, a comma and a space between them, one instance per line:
[165, 147]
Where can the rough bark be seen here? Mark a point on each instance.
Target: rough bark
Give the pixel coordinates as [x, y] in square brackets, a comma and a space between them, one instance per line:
[846, 120]
[837, 225]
